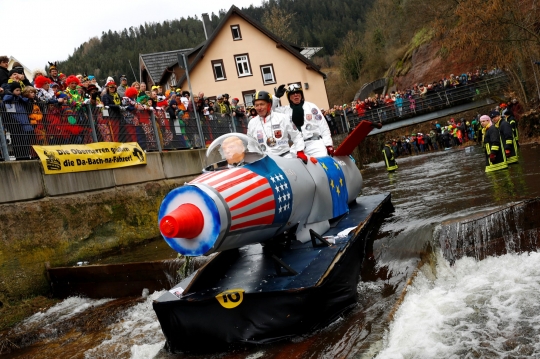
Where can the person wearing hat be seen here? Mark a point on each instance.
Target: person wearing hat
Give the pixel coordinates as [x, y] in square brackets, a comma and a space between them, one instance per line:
[237, 112]
[92, 95]
[307, 118]
[56, 89]
[93, 81]
[507, 137]
[446, 138]
[508, 114]
[17, 66]
[495, 156]
[227, 103]
[123, 86]
[389, 158]
[53, 75]
[75, 96]
[272, 130]
[44, 91]
[13, 76]
[112, 100]
[220, 107]
[130, 117]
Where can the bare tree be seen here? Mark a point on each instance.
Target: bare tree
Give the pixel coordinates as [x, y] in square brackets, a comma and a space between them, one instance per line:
[503, 33]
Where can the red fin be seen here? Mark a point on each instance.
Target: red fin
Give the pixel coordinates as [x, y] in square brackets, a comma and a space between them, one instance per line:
[355, 137]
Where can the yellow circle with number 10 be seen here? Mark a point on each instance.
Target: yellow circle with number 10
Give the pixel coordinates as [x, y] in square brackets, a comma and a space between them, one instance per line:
[231, 298]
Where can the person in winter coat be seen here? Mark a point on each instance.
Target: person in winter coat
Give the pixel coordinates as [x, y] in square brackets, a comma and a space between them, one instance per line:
[4, 73]
[399, 105]
[44, 91]
[446, 137]
[495, 156]
[35, 115]
[112, 100]
[389, 158]
[17, 123]
[507, 137]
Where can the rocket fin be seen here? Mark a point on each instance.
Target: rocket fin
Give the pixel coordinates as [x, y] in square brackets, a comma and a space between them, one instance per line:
[355, 137]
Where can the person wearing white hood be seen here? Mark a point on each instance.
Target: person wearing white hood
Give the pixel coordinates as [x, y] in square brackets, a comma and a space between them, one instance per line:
[104, 90]
[307, 118]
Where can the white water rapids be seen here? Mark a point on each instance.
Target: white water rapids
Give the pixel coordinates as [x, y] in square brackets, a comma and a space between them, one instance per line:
[473, 309]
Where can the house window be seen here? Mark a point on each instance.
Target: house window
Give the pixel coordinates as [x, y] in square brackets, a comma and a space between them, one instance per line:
[243, 66]
[236, 34]
[219, 70]
[267, 72]
[248, 97]
[172, 80]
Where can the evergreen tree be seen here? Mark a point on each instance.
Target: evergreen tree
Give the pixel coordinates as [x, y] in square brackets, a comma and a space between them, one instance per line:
[314, 23]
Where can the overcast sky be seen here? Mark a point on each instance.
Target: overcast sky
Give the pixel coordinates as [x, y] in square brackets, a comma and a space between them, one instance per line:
[37, 31]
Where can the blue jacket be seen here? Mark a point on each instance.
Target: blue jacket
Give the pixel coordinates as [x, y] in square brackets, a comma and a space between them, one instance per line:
[21, 111]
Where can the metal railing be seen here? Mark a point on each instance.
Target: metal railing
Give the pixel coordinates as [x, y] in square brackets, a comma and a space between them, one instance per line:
[430, 102]
[25, 124]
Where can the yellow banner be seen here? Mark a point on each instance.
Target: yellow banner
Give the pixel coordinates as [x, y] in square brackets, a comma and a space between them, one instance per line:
[90, 157]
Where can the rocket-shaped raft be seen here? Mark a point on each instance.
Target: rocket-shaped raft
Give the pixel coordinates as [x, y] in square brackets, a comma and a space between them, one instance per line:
[257, 198]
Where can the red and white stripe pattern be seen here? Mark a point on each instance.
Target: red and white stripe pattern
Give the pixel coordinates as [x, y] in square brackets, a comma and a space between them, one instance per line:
[248, 195]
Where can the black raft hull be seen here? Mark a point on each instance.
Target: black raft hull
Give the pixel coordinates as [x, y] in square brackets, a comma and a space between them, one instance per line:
[246, 296]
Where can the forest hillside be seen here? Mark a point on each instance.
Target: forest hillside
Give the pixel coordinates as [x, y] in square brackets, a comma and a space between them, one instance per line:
[311, 23]
[363, 40]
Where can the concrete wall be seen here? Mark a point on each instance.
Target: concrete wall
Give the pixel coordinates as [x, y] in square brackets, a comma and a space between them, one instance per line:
[25, 180]
[21, 181]
[64, 218]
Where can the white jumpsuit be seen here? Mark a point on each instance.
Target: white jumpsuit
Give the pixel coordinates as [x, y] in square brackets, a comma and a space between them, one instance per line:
[273, 132]
[315, 130]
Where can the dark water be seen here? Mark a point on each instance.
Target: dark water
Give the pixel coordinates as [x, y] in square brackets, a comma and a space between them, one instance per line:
[427, 190]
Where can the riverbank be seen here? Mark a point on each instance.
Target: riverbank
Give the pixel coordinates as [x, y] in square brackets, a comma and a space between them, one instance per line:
[369, 150]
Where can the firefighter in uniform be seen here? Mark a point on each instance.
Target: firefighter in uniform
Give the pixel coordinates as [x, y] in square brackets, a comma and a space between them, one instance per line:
[495, 156]
[389, 158]
[509, 117]
[307, 118]
[272, 130]
[507, 137]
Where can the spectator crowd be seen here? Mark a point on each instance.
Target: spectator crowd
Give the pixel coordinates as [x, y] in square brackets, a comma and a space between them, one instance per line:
[420, 97]
[453, 134]
[53, 109]
[49, 110]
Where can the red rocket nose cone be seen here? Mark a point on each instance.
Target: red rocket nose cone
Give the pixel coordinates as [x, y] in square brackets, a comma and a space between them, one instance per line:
[186, 221]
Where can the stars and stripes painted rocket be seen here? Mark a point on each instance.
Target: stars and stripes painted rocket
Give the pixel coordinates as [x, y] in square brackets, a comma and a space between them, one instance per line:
[253, 203]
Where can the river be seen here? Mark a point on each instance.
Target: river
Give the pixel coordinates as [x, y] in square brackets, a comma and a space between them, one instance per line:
[414, 304]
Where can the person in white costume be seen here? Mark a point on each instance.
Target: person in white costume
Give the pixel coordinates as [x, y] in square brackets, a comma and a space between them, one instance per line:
[272, 130]
[306, 117]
